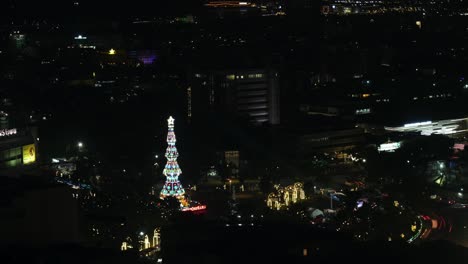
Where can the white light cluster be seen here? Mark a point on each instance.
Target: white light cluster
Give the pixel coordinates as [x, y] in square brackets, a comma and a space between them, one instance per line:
[427, 128]
[418, 124]
[389, 147]
[7, 132]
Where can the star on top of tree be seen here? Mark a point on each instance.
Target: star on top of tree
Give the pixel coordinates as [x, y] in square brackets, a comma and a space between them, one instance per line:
[170, 121]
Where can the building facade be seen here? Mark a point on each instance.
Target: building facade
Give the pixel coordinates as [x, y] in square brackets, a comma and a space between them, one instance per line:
[249, 93]
[18, 147]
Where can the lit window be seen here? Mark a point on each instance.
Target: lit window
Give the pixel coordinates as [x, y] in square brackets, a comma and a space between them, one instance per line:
[363, 111]
[255, 76]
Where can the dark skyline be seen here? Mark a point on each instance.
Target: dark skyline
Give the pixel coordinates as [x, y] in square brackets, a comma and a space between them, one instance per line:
[57, 9]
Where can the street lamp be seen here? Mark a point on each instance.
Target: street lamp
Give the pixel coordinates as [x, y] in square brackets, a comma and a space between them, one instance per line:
[80, 146]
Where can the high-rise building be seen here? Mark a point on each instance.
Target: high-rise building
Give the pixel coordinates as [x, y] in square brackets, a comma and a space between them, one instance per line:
[249, 93]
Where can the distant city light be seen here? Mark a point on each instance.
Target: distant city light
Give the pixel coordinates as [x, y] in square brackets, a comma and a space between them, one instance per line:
[80, 37]
[112, 52]
[80, 144]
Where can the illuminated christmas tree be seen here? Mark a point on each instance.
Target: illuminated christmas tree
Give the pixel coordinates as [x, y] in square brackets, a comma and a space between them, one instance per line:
[172, 187]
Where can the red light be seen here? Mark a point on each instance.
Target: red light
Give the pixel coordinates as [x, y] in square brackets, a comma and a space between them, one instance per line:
[195, 208]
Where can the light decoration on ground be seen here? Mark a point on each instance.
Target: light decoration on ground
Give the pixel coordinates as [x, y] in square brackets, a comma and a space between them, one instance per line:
[147, 243]
[157, 237]
[283, 197]
[418, 230]
[172, 187]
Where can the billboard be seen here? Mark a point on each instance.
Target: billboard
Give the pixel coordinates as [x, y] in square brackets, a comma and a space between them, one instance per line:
[29, 154]
[389, 147]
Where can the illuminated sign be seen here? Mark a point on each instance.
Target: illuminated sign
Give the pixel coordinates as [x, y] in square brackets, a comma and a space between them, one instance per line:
[7, 132]
[389, 147]
[29, 154]
[195, 208]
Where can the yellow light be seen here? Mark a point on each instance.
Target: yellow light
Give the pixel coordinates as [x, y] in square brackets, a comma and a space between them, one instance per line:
[231, 77]
[112, 52]
[29, 154]
[402, 235]
[396, 203]
[413, 228]
[419, 24]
